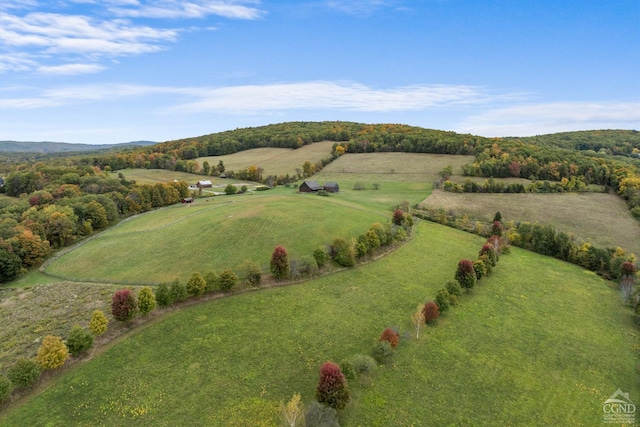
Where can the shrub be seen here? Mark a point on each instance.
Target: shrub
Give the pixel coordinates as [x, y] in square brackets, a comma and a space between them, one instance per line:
[5, 388]
[178, 291]
[398, 217]
[628, 269]
[52, 352]
[321, 256]
[252, 273]
[465, 274]
[319, 415]
[146, 300]
[230, 189]
[479, 268]
[99, 323]
[228, 279]
[488, 250]
[322, 193]
[431, 313]
[196, 284]
[308, 266]
[163, 295]
[488, 265]
[279, 263]
[79, 340]
[348, 370]
[363, 364]
[382, 352]
[391, 336]
[212, 279]
[24, 373]
[332, 387]
[496, 228]
[443, 299]
[343, 253]
[123, 305]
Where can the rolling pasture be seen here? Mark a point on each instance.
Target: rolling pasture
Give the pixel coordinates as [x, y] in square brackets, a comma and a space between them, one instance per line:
[525, 347]
[216, 233]
[274, 161]
[540, 342]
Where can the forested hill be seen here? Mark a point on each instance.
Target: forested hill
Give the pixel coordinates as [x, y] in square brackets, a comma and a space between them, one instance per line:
[63, 147]
[603, 142]
[360, 137]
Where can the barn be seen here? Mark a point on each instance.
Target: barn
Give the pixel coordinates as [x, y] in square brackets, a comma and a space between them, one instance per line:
[331, 187]
[309, 187]
[204, 184]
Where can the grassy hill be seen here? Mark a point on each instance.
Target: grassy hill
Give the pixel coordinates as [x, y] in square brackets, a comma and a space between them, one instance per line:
[519, 350]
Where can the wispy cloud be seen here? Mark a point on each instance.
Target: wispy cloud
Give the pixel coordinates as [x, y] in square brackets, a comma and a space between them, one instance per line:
[543, 118]
[71, 69]
[249, 99]
[324, 95]
[188, 9]
[39, 34]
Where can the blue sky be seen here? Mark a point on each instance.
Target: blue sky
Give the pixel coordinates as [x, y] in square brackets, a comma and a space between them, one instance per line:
[109, 71]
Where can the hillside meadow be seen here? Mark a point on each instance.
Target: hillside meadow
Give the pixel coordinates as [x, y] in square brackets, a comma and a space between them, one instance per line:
[274, 161]
[518, 350]
[216, 233]
[600, 218]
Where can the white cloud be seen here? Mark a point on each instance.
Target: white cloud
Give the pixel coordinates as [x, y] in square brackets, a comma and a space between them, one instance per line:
[71, 69]
[32, 30]
[188, 9]
[322, 95]
[54, 33]
[543, 118]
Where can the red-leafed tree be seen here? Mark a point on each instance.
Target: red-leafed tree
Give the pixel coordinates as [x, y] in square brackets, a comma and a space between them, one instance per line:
[280, 263]
[123, 305]
[496, 228]
[332, 387]
[431, 312]
[465, 274]
[628, 269]
[398, 217]
[391, 336]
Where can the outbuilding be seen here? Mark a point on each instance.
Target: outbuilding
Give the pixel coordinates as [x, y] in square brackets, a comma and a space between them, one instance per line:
[331, 187]
[204, 184]
[309, 187]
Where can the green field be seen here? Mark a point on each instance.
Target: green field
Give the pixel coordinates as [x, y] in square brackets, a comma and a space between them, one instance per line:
[274, 161]
[540, 342]
[215, 233]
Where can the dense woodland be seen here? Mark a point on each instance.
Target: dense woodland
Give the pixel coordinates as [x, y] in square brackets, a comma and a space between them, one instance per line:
[62, 199]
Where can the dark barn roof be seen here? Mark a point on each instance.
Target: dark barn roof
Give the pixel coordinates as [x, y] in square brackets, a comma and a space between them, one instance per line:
[307, 186]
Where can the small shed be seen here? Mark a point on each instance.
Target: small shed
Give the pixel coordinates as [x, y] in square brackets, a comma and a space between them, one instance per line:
[309, 187]
[331, 187]
[187, 200]
[204, 184]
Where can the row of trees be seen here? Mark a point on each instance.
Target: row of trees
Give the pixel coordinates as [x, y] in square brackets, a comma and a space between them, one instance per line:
[492, 185]
[541, 238]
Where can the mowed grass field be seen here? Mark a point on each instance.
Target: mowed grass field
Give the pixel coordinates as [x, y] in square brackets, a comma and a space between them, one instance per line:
[274, 161]
[602, 219]
[540, 342]
[215, 233]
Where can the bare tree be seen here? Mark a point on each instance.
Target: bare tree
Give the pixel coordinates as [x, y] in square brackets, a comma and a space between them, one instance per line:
[418, 320]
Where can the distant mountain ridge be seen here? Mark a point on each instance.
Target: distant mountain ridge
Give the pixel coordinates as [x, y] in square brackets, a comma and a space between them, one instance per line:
[63, 147]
